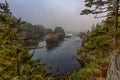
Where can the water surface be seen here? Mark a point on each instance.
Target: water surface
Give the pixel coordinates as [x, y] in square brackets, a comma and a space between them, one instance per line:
[60, 59]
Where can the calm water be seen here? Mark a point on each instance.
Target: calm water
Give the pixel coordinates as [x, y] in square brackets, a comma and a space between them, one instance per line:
[60, 59]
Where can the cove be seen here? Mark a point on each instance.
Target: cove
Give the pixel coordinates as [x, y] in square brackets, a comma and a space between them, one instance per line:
[61, 59]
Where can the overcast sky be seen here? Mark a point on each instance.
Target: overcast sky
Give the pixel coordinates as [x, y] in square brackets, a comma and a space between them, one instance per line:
[52, 13]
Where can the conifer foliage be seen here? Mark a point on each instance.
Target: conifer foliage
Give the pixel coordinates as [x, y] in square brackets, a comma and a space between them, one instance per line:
[15, 60]
[110, 7]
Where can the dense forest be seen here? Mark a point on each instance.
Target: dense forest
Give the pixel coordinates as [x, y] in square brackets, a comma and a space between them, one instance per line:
[32, 33]
[98, 55]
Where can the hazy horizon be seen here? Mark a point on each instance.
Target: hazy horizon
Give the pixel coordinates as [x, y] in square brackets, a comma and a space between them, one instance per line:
[53, 13]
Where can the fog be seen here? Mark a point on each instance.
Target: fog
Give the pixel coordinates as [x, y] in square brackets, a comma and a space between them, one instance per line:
[53, 13]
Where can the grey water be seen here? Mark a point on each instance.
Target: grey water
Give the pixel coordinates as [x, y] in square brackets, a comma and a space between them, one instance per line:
[61, 59]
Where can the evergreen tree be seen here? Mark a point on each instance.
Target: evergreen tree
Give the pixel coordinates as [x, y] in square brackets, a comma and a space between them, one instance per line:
[110, 7]
[15, 59]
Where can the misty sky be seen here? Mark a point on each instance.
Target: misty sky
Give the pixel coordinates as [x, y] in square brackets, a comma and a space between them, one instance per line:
[52, 13]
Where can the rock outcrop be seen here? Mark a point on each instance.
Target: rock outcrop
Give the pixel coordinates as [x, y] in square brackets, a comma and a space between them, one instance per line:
[84, 58]
[114, 66]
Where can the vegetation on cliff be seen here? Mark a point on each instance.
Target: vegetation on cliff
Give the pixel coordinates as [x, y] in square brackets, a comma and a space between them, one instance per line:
[15, 60]
[94, 53]
[102, 40]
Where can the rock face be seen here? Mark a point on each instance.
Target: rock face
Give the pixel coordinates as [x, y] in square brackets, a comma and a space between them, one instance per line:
[84, 58]
[52, 40]
[114, 66]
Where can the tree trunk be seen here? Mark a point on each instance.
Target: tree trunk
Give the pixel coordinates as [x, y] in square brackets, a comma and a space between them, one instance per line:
[115, 11]
[114, 66]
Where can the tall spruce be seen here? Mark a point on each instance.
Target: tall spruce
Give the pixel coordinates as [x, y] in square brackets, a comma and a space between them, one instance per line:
[108, 7]
[15, 60]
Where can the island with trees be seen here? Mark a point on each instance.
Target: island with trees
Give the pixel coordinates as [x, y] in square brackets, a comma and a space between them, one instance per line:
[53, 38]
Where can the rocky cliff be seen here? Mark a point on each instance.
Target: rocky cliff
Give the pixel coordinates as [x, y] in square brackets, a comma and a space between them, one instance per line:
[114, 66]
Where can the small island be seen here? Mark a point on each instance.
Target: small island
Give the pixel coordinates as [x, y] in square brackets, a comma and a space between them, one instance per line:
[54, 37]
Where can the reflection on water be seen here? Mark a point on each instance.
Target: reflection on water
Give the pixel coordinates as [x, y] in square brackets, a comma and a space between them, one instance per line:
[60, 59]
